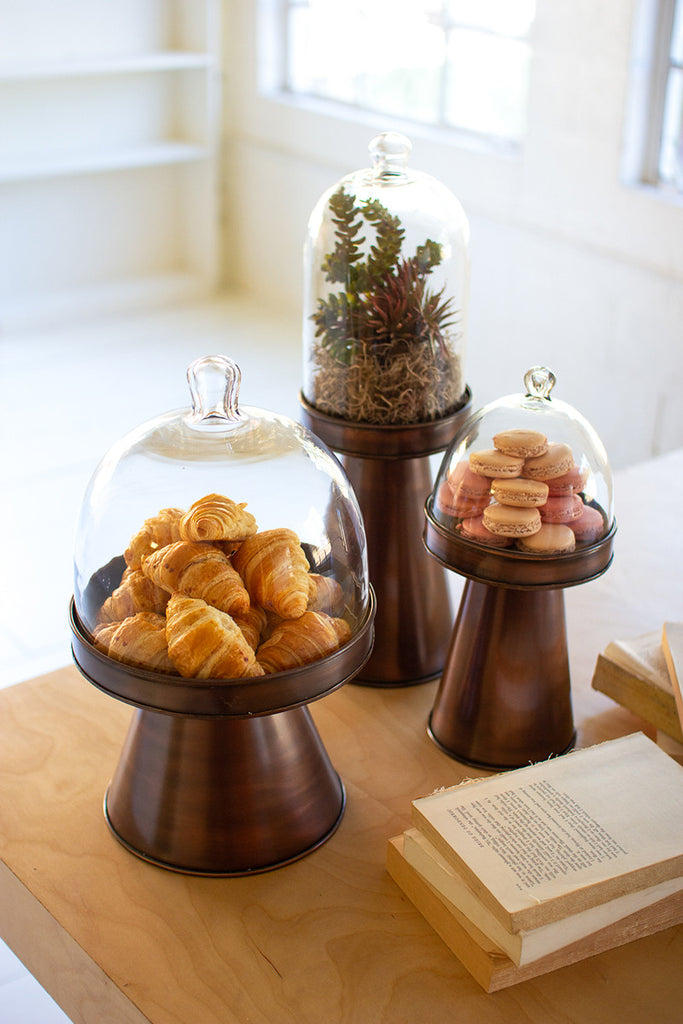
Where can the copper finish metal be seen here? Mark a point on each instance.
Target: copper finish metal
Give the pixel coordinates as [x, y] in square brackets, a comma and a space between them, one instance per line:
[504, 699]
[389, 469]
[223, 796]
[223, 777]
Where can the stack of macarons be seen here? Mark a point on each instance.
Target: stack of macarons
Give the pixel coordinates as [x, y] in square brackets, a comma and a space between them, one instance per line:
[524, 491]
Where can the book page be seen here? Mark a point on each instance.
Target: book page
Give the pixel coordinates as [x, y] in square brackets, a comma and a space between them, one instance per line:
[540, 833]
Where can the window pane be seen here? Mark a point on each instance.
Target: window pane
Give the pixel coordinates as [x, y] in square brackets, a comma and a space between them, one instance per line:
[507, 17]
[487, 84]
[671, 158]
[405, 58]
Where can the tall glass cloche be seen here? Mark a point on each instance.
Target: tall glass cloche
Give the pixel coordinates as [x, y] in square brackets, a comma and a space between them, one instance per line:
[386, 292]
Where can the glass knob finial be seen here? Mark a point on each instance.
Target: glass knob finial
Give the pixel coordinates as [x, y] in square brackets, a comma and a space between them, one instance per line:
[539, 382]
[390, 152]
[214, 383]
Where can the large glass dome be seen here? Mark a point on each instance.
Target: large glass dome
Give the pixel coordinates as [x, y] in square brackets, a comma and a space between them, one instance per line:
[216, 515]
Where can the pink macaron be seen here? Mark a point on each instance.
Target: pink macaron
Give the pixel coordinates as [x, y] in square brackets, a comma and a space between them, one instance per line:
[561, 508]
[463, 481]
[589, 526]
[474, 529]
[459, 505]
[569, 483]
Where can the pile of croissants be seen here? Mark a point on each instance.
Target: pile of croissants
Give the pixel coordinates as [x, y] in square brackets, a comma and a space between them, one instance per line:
[205, 595]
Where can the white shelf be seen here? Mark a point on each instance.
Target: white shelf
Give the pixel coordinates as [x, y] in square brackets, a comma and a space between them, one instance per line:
[109, 169]
[153, 155]
[166, 60]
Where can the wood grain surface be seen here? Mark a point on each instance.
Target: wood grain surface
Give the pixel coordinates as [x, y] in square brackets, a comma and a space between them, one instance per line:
[330, 938]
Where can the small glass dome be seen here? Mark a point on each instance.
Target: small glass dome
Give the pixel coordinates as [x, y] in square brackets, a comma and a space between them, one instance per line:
[386, 294]
[223, 515]
[527, 476]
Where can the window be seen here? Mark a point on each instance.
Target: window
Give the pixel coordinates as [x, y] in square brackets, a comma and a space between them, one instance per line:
[654, 130]
[452, 64]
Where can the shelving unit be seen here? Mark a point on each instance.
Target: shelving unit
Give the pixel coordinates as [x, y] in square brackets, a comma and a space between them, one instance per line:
[109, 120]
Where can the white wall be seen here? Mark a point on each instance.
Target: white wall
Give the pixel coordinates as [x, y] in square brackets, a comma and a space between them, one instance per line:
[571, 268]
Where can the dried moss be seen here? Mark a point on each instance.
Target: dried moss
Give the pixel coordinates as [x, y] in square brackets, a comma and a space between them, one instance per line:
[412, 386]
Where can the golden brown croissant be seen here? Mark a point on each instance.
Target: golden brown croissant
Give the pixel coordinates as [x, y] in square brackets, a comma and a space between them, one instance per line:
[325, 595]
[198, 570]
[138, 640]
[215, 517]
[299, 641]
[275, 572]
[156, 532]
[253, 625]
[204, 643]
[135, 593]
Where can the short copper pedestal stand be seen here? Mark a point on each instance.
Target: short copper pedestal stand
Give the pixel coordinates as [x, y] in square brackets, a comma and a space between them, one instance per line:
[504, 699]
[389, 470]
[223, 777]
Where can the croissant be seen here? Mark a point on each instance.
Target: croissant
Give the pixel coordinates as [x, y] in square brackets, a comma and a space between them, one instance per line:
[135, 593]
[275, 572]
[205, 643]
[138, 640]
[299, 641]
[215, 517]
[198, 570]
[157, 532]
[253, 625]
[325, 595]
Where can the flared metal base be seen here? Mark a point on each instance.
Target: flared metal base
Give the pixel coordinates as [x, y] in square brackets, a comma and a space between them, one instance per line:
[223, 796]
[504, 699]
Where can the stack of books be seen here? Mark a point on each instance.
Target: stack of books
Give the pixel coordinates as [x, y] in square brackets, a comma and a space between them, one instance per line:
[527, 871]
[640, 675]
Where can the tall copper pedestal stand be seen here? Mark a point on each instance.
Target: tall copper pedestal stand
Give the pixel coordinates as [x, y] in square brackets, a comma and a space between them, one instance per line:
[504, 699]
[389, 469]
[223, 777]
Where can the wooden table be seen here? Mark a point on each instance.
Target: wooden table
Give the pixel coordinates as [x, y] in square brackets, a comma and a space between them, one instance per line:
[329, 939]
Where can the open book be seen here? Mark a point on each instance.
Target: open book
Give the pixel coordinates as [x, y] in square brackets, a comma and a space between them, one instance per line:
[564, 835]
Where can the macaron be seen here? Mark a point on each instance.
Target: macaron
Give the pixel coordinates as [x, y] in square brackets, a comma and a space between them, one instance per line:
[474, 529]
[561, 508]
[556, 461]
[517, 441]
[589, 526]
[508, 521]
[570, 482]
[492, 463]
[520, 492]
[551, 539]
[462, 480]
[458, 504]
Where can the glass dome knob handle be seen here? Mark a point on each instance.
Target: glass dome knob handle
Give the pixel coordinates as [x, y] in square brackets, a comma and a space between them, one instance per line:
[214, 383]
[539, 382]
[390, 152]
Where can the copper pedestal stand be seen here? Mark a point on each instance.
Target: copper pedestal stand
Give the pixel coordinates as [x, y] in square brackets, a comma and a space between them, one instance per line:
[504, 699]
[223, 777]
[389, 470]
